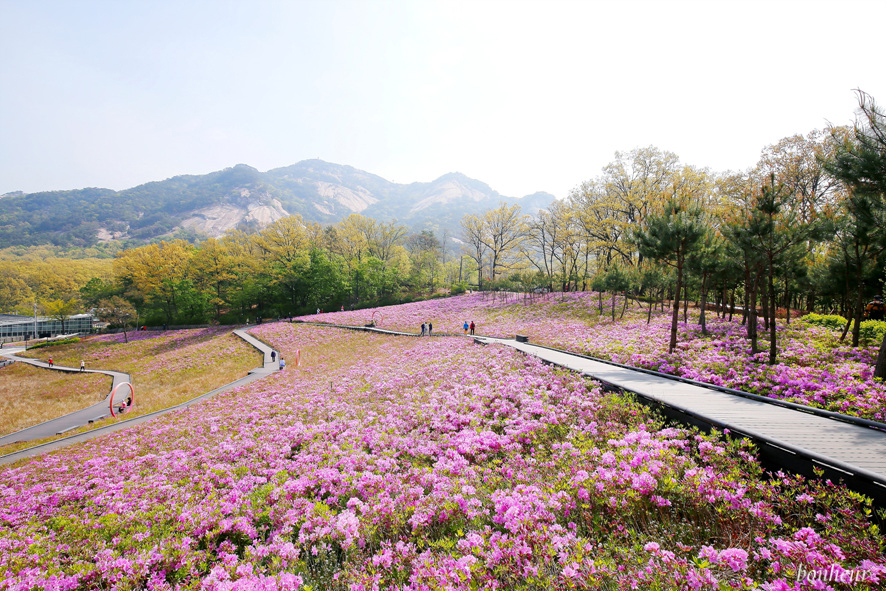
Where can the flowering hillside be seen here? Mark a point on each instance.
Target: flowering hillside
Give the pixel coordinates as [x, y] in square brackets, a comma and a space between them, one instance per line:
[396, 463]
[166, 367]
[814, 367]
[495, 314]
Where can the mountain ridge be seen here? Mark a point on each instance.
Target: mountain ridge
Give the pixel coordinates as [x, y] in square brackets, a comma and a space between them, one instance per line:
[242, 197]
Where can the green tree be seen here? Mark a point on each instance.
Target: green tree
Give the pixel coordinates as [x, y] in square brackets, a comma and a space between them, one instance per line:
[860, 162]
[116, 310]
[704, 263]
[615, 281]
[669, 238]
[96, 290]
[60, 310]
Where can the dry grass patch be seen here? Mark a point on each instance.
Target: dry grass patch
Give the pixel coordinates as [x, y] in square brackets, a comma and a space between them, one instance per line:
[167, 368]
[31, 395]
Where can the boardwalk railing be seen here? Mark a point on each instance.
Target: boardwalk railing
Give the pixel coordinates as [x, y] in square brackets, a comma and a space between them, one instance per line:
[773, 401]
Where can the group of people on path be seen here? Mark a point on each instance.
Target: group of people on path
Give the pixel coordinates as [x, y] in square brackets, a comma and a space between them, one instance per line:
[50, 363]
[428, 327]
[274, 359]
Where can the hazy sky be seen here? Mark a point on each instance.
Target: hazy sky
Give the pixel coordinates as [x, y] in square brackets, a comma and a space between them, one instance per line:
[525, 96]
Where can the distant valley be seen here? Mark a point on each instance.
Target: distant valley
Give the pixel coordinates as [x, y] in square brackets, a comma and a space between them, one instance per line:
[241, 197]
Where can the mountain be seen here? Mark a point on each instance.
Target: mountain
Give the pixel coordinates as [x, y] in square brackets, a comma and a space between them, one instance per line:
[242, 197]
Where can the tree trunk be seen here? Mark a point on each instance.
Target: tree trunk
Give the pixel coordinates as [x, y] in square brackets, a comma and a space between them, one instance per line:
[731, 304]
[765, 298]
[676, 314]
[859, 301]
[686, 304]
[752, 314]
[787, 300]
[880, 367]
[846, 328]
[704, 305]
[773, 344]
[859, 315]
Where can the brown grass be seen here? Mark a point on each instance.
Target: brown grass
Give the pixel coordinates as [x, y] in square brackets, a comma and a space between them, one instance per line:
[31, 395]
[155, 389]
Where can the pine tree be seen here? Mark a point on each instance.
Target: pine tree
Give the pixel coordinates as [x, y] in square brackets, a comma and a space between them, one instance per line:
[669, 238]
[860, 163]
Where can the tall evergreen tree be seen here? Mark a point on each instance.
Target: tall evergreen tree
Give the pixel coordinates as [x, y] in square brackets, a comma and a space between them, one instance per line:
[669, 237]
[860, 163]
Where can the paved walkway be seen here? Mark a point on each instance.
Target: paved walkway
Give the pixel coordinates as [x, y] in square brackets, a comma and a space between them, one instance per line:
[68, 422]
[268, 367]
[852, 452]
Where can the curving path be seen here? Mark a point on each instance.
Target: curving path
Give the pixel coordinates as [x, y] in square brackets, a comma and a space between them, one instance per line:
[71, 422]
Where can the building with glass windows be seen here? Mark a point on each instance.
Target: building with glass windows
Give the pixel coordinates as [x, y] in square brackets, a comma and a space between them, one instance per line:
[15, 327]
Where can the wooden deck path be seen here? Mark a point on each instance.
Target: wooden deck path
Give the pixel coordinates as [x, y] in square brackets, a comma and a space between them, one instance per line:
[798, 441]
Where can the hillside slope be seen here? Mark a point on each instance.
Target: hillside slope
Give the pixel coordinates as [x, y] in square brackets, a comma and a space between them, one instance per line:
[242, 197]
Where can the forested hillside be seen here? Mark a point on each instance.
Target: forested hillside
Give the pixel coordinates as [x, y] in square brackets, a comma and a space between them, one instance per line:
[241, 197]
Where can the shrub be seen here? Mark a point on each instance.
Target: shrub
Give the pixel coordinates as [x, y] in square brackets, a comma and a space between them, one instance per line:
[459, 287]
[832, 321]
[52, 343]
[871, 331]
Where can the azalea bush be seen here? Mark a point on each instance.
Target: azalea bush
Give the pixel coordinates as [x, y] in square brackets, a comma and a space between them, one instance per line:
[499, 314]
[381, 462]
[832, 321]
[814, 367]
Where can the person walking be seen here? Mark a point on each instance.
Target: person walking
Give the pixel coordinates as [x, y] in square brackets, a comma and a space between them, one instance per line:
[423, 329]
[50, 362]
[875, 310]
[430, 328]
[466, 327]
[82, 365]
[282, 364]
[273, 356]
[472, 327]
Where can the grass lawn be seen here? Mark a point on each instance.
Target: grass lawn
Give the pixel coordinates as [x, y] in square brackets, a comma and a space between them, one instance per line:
[30, 395]
[167, 368]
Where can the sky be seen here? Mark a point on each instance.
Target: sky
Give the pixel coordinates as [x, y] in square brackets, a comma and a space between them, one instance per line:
[525, 96]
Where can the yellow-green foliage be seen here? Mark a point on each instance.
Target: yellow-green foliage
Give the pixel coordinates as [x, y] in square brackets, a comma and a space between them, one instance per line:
[25, 277]
[870, 331]
[833, 321]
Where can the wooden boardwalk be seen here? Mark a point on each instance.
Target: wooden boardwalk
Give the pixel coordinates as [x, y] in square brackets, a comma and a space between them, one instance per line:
[789, 438]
